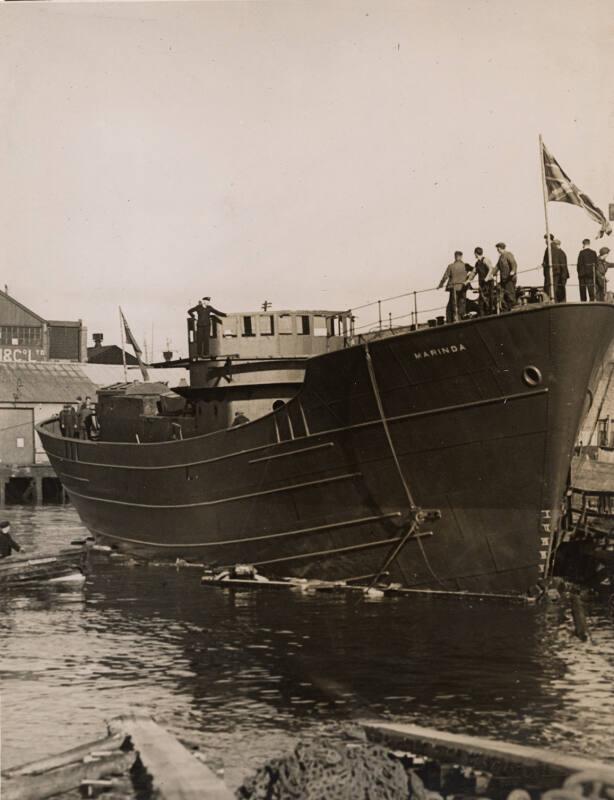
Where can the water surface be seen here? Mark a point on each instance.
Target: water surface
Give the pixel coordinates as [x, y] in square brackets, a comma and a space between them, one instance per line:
[243, 675]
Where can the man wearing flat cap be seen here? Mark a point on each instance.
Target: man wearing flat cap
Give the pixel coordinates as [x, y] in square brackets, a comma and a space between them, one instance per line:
[603, 265]
[560, 272]
[506, 268]
[7, 543]
[455, 278]
[587, 271]
[207, 319]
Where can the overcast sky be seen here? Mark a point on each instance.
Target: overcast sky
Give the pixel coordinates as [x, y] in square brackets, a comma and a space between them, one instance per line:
[314, 154]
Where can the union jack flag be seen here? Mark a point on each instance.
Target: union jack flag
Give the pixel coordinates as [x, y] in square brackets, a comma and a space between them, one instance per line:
[561, 189]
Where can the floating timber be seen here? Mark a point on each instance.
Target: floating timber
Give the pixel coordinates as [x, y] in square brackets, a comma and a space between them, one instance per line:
[534, 765]
[138, 757]
[18, 571]
[229, 579]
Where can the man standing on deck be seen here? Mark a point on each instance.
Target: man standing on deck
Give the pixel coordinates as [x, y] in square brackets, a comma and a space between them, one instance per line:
[545, 265]
[85, 411]
[560, 273]
[587, 270]
[507, 269]
[486, 282]
[456, 278]
[602, 268]
[206, 317]
[7, 543]
[69, 425]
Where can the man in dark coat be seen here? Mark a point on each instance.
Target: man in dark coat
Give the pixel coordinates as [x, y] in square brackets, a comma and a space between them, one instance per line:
[507, 269]
[545, 265]
[587, 271]
[240, 419]
[69, 422]
[206, 317]
[7, 543]
[84, 412]
[560, 273]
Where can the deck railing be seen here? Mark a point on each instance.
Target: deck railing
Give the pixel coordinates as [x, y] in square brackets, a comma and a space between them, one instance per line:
[422, 307]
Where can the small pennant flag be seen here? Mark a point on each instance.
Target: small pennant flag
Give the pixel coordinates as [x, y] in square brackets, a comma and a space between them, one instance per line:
[130, 338]
[561, 189]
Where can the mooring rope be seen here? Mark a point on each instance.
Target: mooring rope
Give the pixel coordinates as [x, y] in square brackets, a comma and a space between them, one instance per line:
[412, 505]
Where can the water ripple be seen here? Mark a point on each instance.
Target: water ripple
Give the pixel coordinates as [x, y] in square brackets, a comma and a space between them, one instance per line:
[242, 675]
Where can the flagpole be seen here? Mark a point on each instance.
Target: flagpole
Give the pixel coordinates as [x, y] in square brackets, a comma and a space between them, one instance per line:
[545, 195]
[121, 329]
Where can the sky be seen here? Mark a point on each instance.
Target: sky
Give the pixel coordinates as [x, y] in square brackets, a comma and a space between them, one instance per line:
[312, 154]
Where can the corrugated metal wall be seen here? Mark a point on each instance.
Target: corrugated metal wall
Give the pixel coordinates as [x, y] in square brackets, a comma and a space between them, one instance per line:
[65, 342]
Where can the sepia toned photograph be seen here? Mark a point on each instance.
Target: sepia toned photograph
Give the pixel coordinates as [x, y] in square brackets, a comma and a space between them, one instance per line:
[307, 400]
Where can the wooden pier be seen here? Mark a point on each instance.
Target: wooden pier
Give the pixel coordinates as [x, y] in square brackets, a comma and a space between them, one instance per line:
[139, 758]
[137, 750]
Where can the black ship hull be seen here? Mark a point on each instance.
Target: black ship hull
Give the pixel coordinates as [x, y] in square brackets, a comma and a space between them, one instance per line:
[477, 419]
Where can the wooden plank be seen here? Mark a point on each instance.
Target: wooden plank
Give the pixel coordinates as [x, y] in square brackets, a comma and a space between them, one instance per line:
[176, 773]
[66, 757]
[67, 777]
[480, 753]
[250, 583]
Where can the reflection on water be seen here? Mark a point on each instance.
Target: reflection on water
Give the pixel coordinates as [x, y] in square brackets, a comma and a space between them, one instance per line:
[242, 675]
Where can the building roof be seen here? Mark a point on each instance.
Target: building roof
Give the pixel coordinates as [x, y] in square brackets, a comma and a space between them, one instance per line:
[108, 354]
[7, 301]
[53, 382]
[44, 382]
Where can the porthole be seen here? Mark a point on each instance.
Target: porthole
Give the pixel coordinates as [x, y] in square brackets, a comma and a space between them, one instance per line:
[532, 376]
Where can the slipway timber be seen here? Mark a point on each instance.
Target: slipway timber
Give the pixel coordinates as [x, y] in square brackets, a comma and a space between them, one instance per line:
[138, 759]
[476, 420]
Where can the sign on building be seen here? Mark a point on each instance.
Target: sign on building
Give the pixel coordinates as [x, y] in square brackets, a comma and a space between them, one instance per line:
[14, 355]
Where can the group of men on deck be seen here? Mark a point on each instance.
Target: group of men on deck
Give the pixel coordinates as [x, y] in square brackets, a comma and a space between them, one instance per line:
[497, 285]
[592, 269]
[458, 276]
[80, 422]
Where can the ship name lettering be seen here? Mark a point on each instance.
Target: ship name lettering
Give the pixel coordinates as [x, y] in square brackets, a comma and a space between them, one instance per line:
[440, 351]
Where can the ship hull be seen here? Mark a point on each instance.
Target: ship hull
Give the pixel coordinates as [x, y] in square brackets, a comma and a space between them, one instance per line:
[476, 419]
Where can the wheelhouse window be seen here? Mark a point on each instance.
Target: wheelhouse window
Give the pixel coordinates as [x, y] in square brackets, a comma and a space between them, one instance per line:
[320, 327]
[230, 326]
[247, 328]
[304, 329]
[334, 326]
[266, 325]
[285, 324]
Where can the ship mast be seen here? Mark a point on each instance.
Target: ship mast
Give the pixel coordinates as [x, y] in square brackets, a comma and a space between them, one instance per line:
[545, 196]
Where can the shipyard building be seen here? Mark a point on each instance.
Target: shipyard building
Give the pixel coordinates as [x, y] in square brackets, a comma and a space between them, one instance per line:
[43, 365]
